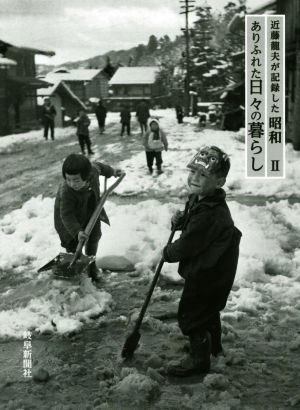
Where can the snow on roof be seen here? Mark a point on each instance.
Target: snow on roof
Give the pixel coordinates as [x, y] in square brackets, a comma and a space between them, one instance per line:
[26, 48]
[80, 74]
[46, 92]
[6, 61]
[265, 7]
[134, 75]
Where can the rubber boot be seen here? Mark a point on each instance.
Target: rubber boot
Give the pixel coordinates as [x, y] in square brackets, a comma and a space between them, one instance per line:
[93, 272]
[198, 362]
[159, 170]
[150, 170]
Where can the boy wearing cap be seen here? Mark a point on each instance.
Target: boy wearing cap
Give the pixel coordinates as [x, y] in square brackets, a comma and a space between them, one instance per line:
[207, 252]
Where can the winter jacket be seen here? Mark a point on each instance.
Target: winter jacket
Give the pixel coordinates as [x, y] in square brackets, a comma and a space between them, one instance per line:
[83, 125]
[73, 209]
[151, 143]
[101, 112]
[142, 112]
[125, 116]
[48, 113]
[207, 252]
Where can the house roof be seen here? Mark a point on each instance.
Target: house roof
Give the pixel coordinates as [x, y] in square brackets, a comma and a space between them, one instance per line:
[47, 92]
[6, 61]
[134, 75]
[4, 46]
[265, 7]
[32, 82]
[79, 74]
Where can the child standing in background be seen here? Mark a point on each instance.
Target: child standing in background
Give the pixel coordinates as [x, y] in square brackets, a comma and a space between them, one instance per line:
[125, 119]
[155, 141]
[83, 132]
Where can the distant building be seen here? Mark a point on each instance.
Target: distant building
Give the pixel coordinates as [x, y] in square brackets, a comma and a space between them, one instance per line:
[66, 103]
[131, 85]
[18, 85]
[85, 83]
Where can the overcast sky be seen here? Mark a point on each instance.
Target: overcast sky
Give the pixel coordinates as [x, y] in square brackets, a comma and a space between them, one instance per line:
[79, 29]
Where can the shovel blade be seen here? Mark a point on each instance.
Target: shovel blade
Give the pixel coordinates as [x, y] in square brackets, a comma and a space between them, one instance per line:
[60, 265]
[131, 344]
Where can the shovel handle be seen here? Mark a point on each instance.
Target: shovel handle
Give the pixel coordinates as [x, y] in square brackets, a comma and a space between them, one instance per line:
[157, 273]
[94, 217]
[153, 284]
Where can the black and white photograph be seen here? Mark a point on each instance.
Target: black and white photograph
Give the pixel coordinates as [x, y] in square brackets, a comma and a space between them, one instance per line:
[150, 203]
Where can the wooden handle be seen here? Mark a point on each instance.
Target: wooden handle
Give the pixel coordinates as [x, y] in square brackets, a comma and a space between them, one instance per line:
[94, 217]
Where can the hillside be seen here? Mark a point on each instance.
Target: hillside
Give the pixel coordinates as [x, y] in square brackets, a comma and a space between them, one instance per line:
[157, 51]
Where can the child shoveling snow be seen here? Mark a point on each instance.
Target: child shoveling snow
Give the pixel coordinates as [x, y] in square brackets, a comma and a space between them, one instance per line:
[207, 252]
[75, 202]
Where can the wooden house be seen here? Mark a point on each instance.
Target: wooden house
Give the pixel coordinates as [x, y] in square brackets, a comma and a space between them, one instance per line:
[66, 103]
[130, 85]
[18, 85]
[84, 83]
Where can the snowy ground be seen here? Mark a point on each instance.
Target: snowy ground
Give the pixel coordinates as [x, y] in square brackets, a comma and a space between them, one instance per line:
[259, 322]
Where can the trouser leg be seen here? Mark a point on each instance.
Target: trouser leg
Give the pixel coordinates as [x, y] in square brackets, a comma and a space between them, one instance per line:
[81, 143]
[158, 160]
[123, 129]
[52, 129]
[88, 144]
[150, 159]
[46, 129]
[214, 327]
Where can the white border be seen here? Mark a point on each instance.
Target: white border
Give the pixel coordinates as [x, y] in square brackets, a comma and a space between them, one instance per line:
[282, 32]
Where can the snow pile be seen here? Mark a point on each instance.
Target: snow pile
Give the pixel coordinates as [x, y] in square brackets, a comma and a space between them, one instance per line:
[59, 307]
[136, 389]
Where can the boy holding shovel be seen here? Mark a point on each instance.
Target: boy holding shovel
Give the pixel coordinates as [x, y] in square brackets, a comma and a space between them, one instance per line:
[207, 252]
[75, 202]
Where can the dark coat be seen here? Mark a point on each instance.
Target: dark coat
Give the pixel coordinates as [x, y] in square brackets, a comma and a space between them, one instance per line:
[73, 209]
[142, 112]
[100, 112]
[48, 113]
[207, 252]
[83, 125]
[125, 116]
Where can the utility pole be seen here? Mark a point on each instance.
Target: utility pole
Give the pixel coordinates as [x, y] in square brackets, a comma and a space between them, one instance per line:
[187, 7]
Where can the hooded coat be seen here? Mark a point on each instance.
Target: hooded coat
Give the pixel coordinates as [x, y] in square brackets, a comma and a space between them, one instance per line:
[73, 209]
[150, 137]
[207, 252]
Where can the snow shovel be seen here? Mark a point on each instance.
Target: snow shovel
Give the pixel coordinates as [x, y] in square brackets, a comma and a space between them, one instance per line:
[69, 265]
[131, 343]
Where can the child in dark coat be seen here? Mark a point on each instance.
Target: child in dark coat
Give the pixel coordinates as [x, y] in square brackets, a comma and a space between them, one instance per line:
[207, 252]
[76, 200]
[155, 141]
[125, 120]
[83, 132]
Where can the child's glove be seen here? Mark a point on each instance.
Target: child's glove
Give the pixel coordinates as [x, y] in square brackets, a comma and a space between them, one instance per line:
[82, 235]
[118, 173]
[175, 220]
